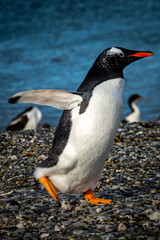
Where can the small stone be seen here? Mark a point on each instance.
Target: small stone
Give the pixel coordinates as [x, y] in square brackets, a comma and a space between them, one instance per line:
[14, 157]
[115, 187]
[121, 227]
[78, 232]
[29, 168]
[2, 184]
[51, 217]
[99, 210]
[65, 205]
[155, 202]
[146, 225]
[19, 217]
[57, 228]
[20, 225]
[5, 219]
[154, 216]
[42, 157]
[108, 228]
[154, 191]
[138, 183]
[44, 235]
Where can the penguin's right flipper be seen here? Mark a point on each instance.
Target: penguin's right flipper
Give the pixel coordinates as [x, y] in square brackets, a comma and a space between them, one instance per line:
[55, 98]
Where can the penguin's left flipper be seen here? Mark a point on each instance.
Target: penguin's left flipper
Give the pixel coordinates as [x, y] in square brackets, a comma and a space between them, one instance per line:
[55, 98]
[90, 198]
[48, 185]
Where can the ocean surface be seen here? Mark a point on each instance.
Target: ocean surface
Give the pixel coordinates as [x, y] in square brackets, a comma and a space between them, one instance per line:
[53, 44]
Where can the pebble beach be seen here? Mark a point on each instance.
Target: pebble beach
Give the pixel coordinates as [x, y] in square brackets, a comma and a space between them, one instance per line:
[131, 178]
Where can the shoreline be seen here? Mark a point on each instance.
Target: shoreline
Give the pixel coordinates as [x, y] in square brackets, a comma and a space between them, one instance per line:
[131, 178]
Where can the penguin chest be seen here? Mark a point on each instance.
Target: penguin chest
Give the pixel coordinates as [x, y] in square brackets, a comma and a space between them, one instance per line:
[92, 136]
[135, 116]
[94, 130]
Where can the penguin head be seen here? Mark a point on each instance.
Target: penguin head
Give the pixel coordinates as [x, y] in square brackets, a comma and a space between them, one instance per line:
[118, 58]
[134, 97]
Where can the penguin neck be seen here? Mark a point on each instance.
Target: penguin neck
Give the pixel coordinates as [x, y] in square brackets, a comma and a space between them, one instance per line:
[97, 75]
[135, 108]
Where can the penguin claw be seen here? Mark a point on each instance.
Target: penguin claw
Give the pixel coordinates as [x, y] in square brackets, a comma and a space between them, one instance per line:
[90, 198]
[58, 202]
[48, 185]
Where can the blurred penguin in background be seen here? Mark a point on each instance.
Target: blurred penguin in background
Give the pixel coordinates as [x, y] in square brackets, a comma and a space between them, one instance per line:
[135, 115]
[29, 119]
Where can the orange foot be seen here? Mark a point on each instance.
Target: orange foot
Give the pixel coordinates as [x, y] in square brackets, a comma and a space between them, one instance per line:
[90, 198]
[48, 185]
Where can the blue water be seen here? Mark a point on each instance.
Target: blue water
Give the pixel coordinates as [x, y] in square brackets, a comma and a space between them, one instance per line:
[52, 45]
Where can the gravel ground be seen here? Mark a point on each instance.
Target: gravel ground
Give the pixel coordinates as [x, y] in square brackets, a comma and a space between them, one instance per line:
[131, 178]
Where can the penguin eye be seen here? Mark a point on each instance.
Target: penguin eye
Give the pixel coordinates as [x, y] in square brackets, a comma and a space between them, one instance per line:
[121, 54]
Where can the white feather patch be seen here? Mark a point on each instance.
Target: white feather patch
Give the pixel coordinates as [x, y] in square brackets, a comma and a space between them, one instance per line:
[114, 50]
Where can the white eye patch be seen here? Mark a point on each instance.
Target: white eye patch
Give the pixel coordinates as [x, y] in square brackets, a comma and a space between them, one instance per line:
[114, 50]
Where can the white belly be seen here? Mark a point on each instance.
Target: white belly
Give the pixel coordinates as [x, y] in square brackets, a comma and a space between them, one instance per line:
[135, 116]
[81, 164]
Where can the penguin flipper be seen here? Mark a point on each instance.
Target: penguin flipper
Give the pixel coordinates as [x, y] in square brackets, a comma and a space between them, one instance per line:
[55, 98]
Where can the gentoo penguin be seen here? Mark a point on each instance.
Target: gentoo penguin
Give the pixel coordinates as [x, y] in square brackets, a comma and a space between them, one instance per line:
[87, 127]
[29, 119]
[135, 115]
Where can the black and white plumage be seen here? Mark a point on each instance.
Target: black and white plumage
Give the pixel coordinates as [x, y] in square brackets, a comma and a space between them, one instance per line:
[29, 119]
[135, 115]
[88, 125]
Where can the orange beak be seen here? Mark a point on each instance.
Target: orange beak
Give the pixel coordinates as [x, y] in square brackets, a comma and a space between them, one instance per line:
[141, 54]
